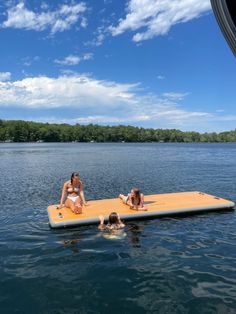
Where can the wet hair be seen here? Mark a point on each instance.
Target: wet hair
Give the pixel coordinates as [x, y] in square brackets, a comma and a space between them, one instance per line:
[137, 194]
[74, 174]
[113, 218]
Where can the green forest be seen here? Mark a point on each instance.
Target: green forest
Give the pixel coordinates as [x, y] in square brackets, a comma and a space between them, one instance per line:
[25, 131]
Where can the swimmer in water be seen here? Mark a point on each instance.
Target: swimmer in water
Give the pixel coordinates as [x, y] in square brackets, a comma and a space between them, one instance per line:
[114, 222]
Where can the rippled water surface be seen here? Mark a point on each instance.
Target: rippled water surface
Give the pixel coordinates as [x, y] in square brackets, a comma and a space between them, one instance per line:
[168, 265]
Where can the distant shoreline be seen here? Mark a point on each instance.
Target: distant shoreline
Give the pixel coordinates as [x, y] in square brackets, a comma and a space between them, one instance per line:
[1, 142]
[19, 131]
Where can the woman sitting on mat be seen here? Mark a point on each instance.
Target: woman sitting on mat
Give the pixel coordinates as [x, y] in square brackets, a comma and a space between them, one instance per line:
[114, 222]
[74, 193]
[134, 199]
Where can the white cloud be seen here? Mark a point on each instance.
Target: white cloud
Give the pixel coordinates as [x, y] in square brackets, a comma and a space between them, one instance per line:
[185, 121]
[99, 37]
[44, 6]
[175, 96]
[28, 61]
[160, 77]
[57, 21]
[74, 60]
[158, 16]
[69, 60]
[88, 56]
[72, 91]
[104, 102]
[84, 22]
[5, 76]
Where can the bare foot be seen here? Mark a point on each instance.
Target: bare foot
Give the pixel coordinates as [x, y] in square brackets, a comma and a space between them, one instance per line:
[78, 210]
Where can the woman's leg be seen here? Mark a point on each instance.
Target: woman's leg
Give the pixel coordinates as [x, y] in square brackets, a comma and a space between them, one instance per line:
[124, 198]
[78, 206]
[74, 206]
[70, 204]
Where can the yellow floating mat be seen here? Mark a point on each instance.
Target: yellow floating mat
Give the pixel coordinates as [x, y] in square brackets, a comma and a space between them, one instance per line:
[157, 205]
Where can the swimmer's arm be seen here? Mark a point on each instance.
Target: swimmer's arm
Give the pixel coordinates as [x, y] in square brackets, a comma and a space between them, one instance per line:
[101, 226]
[121, 224]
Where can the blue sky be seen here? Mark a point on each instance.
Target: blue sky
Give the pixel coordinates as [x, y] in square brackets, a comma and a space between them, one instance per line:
[149, 63]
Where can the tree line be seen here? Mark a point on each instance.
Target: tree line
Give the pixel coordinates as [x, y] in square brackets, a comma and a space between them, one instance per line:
[25, 131]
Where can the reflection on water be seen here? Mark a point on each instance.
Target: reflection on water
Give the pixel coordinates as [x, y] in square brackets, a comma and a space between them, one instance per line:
[168, 265]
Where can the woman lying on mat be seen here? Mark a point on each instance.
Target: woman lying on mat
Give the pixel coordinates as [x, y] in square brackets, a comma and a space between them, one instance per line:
[134, 199]
[114, 222]
[74, 193]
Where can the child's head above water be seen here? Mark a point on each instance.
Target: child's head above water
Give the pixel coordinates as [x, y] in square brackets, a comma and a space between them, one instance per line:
[113, 218]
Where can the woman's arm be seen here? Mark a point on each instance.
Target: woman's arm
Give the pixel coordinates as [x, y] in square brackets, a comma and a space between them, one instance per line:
[63, 194]
[81, 193]
[141, 200]
[130, 202]
[141, 205]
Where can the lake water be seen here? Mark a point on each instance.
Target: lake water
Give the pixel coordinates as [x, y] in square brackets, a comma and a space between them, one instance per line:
[167, 265]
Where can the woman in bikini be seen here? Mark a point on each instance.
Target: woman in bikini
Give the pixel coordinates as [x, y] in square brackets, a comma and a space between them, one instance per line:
[134, 199]
[74, 193]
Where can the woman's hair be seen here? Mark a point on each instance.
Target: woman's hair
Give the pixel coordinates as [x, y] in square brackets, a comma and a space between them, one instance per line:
[137, 194]
[74, 174]
[113, 218]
